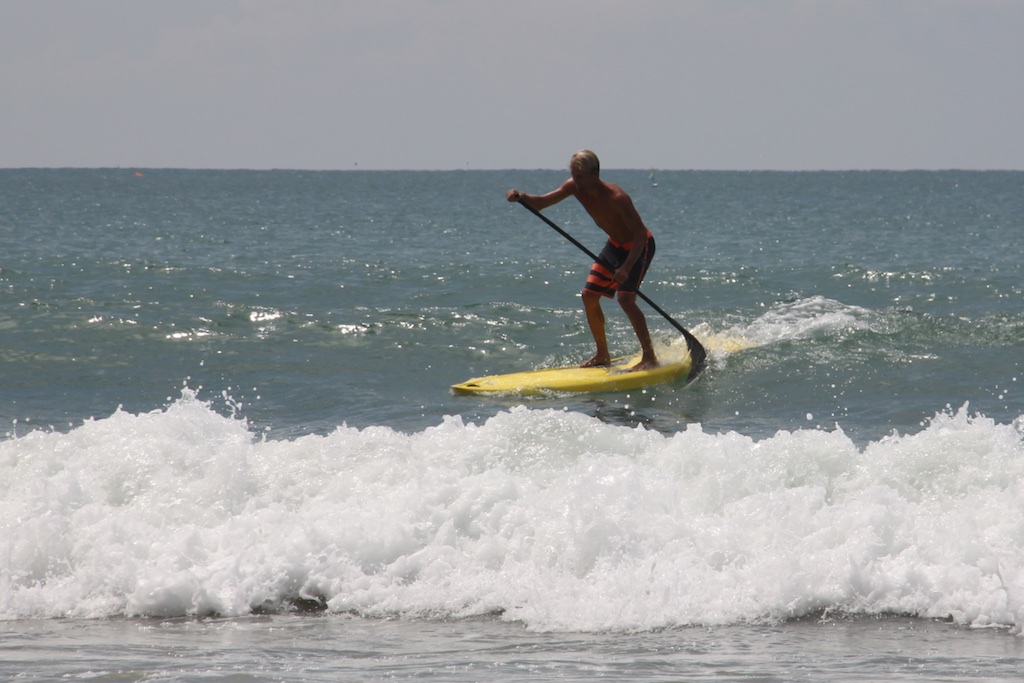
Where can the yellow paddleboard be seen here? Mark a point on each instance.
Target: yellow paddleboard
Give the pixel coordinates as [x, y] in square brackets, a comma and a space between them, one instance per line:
[615, 377]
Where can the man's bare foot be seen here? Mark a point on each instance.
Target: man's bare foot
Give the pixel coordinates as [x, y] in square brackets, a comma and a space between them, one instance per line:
[645, 364]
[597, 361]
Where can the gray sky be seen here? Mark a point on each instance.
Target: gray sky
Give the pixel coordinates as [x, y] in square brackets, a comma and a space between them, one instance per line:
[485, 84]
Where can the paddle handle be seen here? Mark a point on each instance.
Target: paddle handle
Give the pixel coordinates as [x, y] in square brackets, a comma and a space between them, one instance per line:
[698, 353]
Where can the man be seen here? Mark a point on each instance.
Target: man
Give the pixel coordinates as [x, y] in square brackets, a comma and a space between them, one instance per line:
[629, 251]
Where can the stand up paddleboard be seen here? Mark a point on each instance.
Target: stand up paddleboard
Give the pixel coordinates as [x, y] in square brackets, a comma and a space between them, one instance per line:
[615, 377]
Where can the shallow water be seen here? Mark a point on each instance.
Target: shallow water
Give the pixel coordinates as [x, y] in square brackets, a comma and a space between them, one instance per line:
[340, 648]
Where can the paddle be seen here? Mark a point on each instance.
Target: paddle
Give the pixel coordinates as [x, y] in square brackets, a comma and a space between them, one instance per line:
[698, 355]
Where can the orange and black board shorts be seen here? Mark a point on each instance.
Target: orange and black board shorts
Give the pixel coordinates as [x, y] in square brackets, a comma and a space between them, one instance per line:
[600, 278]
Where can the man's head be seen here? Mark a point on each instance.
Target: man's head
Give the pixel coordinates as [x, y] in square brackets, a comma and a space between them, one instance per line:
[584, 163]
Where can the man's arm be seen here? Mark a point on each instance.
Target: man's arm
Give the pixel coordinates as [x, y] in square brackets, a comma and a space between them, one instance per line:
[541, 202]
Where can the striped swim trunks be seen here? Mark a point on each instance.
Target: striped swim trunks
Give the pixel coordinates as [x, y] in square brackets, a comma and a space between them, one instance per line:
[600, 278]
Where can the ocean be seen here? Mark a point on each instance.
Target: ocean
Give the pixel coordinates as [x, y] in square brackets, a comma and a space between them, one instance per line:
[229, 449]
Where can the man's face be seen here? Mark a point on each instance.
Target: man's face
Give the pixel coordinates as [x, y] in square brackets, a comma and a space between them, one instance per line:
[583, 179]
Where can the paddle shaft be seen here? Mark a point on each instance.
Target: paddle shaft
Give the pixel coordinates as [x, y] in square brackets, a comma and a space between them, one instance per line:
[697, 351]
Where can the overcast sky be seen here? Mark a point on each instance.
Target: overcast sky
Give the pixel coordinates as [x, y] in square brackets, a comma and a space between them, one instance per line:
[494, 84]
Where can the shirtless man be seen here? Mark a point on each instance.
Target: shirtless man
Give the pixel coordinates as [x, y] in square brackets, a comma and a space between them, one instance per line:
[629, 250]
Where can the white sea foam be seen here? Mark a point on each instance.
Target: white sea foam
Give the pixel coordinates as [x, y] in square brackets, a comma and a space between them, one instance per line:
[805, 318]
[548, 517]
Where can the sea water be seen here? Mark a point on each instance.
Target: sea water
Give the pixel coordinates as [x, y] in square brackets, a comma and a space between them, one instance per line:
[229, 444]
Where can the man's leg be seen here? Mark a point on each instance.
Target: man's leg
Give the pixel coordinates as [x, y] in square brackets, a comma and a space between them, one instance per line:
[595, 318]
[628, 302]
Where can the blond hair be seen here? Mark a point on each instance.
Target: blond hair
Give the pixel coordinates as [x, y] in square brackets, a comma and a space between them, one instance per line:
[585, 161]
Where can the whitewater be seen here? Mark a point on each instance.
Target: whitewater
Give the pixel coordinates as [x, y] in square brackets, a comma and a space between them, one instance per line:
[539, 516]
